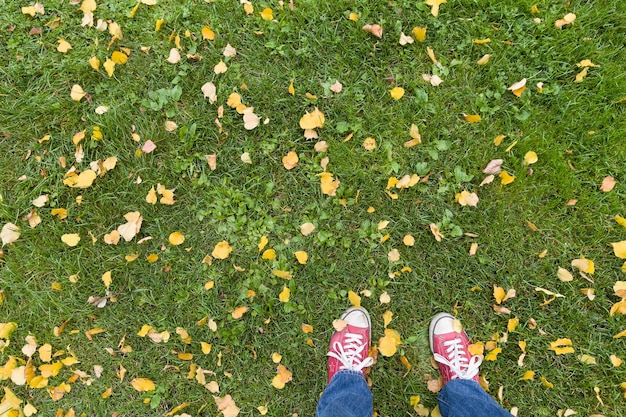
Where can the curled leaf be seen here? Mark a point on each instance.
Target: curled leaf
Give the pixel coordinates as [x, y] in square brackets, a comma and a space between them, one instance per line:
[375, 30]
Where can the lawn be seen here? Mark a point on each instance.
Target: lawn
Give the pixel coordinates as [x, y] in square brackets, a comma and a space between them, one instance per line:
[192, 191]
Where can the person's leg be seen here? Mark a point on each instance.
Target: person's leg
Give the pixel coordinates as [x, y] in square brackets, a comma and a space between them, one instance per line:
[466, 398]
[462, 395]
[347, 393]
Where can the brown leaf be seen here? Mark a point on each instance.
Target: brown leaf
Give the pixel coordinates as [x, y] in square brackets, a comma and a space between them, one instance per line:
[607, 184]
[375, 30]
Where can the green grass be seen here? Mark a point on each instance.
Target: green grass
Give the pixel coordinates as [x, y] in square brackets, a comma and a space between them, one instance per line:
[316, 44]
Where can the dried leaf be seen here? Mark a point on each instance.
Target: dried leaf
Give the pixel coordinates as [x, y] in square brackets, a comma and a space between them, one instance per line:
[336, 87]
[207, 33]
[312, 120]
[483, 60]
[176, 238]
[584, 265]
[9, 234]
[465, 198]
[174, 56]
[388, 344]
[561, 346]
[396, 93]
[472, 118]
[564, 275]
[419, 33]
[220, 68]
[290, 160]
[530, 158]
[209, 90]
[64, 46]
[405, 40]
[567, 19]
[143, 384]
[434, 6]
[222, 250]
[238, 312]
[434, 229]
[229, 51]
[375, 30]
[77, 92]
[518, 88]
[70, 239]
[607, 184]
[307, 228]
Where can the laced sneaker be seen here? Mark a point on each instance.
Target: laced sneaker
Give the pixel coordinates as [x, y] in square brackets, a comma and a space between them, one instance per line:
[349, 348]
[450, 349]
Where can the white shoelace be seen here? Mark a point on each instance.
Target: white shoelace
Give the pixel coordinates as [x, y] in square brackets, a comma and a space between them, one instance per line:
[460, 366]
[349, 353]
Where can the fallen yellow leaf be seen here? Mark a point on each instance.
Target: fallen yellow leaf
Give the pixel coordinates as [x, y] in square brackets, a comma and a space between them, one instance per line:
[567, 19]
[239, 312]
[290, 160]
[64, 46]
[176, 238]
[546, 383]
[396, 93]
[302, 257]
[83, 180]
[282, 274]
[354, 299]
[220, 68]
[506, 178]
[581, 75]
[434, 6]
[70, 239]
[388, 344]
[284, 295]
[267, 14]
[528, 376]
[312, 120]
[465, 198]
[269, 255]
[143, 384]
[472, 118]
[561, 346]
[222, 250]
[109, 67]
[530, 158]
[619, 249]
[584, 265]
[419, 33]
[493, 354]
[77, 92]
[483, 60]
[328, 184]
[207, 33]
[369, 144]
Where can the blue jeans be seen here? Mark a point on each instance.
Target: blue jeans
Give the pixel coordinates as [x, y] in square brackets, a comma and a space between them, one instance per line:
[348, 395]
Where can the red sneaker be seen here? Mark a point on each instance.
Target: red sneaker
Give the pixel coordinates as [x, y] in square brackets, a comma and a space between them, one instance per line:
[450, 349]
[349, 348]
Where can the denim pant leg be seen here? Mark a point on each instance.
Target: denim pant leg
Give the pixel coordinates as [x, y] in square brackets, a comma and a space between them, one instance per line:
[466, 398]
[347, 395]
